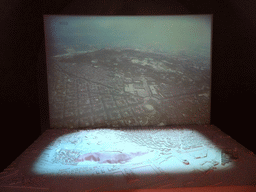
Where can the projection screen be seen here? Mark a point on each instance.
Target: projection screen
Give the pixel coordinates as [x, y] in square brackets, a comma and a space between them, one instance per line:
[128, 71]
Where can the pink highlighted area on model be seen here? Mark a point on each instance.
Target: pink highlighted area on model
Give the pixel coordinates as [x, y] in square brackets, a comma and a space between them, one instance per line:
[108, 157]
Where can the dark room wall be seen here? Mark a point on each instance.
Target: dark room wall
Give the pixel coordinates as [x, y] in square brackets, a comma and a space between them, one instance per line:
[234, 70]
[23, 76]
[21, 37]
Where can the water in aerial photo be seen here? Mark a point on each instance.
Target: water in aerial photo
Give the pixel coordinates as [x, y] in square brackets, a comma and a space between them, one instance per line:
[128, 71]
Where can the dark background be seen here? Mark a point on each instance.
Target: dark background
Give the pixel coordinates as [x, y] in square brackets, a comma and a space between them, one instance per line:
[23, 95]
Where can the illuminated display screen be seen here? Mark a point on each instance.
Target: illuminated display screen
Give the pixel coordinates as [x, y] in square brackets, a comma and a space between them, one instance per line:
[128, 71]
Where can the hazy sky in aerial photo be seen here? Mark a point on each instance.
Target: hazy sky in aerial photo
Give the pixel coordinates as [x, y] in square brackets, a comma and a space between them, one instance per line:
[166, 33]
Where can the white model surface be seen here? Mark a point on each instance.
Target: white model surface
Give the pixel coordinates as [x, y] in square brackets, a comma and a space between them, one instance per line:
[107, 159]
[169, 150]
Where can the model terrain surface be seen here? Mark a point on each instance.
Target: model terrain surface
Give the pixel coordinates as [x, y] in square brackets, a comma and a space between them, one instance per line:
[134, 158]
[96, 151]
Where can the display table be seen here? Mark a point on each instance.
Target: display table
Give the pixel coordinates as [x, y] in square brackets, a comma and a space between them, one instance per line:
[191, 158]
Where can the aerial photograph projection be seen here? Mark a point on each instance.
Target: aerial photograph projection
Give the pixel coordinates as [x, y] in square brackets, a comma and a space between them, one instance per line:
[128, 71]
